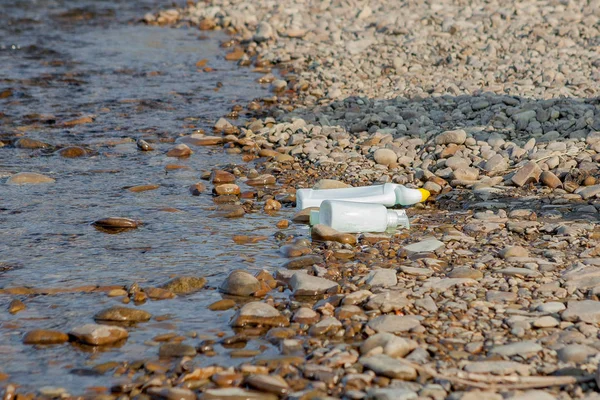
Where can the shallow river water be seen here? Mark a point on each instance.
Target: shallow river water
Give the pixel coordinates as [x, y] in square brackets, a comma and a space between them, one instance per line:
[62, 60]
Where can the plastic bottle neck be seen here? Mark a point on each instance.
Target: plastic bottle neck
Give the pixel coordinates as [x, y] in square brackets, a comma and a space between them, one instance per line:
[397, 218]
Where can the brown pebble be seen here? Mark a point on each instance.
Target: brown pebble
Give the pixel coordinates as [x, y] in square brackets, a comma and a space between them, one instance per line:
[180, 150]
[589, 181]
[227, 379]
[72, 152]
[235, 55]
[272, 205]
[284, 223]
[41, 336]
[15, 306]
[174, 167]
[222, 305]
[78, 121]
[117, 293]
[244, 239]
[117, 223]
[218, 176]
[158, 293]
[143, 188]
[227, 188]
[197, 188]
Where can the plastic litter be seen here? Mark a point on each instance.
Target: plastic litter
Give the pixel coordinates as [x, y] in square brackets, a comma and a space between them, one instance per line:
[388, 194]
[353, 217]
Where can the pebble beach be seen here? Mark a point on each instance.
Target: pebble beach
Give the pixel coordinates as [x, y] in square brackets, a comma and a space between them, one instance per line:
[493, 292]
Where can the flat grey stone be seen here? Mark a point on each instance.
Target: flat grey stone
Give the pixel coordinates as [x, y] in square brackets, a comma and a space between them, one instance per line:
[382, 278]
[533, 395]
[522, 349]
[576, 353]
[424, 246]
[391, 394]
[388, 301]
[308, 285]
[393, 323]
[390, 367]
[497, 367]
[551, 307]
[441, 284]
[584, 311]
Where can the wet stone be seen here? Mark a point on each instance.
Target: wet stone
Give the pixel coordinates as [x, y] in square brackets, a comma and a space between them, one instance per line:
[197, 189]
[98, 335]
[184, 284]
[117, 223]
[240, 283]
[219, 176]
[236, 394]
[326, 233]
[72, 152]
[122, 314]
[227, 379]
[170, 393]
[180, 150]
[268, 383]
[28, 178]
[305, 315]
[222, 305]
[227, 188]
[16, 306]
[158, 293]
[176, 350]
[31, 144]
[391, 394]
[41, 336]
[258, 313]
[303, 261]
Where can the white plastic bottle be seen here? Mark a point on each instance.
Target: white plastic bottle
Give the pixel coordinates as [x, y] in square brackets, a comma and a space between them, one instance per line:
[351, 217]
[388, 194]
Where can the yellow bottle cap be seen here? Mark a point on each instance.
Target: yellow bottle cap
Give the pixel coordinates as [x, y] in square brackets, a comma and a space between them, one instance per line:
[424, 194]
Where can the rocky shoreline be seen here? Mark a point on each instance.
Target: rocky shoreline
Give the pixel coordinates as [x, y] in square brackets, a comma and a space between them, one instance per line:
[492, 293]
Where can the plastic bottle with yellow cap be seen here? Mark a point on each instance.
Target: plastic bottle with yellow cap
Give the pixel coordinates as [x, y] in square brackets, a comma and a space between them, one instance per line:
[388, 194]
